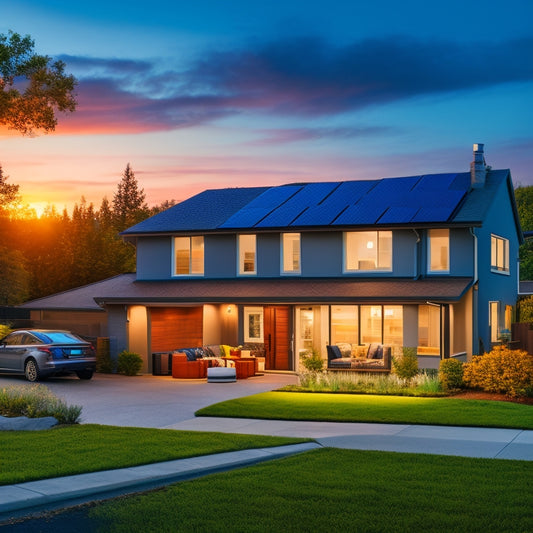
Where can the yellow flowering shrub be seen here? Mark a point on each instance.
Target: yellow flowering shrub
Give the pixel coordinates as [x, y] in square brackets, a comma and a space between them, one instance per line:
[501, 370]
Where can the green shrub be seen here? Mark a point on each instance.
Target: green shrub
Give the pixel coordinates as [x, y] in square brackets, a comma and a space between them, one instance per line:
[35, 402]
[525, 306]
[502, 370]
[406, 366]
[129, 363]
[312, 360]
[451, 374]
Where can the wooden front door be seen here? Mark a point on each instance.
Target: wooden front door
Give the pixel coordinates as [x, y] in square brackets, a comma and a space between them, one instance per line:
[277, 331]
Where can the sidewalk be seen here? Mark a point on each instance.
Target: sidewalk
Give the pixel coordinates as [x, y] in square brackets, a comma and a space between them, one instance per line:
[35, 496]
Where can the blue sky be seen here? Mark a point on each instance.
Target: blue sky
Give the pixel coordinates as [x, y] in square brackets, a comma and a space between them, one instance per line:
[210, 94]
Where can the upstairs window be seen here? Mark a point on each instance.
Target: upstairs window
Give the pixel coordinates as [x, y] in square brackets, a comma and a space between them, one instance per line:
[247, 255]
[499, 254]
[439, 250]
[290, 253]
[188, 256]
[367, 250]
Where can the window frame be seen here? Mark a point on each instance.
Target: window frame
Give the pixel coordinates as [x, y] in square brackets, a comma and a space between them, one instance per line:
[496, 241]
[241, 254]
[379, 241]
[284, 250]
[431, 240]
[191, 259]
[248, 313]
[494, 320]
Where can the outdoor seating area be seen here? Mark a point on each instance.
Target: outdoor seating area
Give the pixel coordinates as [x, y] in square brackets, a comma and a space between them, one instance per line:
[199, 363]
[368, 358]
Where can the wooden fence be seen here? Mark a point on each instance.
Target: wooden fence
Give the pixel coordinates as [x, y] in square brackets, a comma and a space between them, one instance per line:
[522, 336]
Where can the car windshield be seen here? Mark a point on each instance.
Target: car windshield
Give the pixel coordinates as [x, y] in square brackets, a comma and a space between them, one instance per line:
[61, 337]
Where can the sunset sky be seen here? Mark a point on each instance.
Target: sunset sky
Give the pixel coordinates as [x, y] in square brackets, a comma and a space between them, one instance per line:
[213, 93]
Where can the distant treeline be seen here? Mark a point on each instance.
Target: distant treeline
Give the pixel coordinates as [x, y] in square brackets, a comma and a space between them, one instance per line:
[56, 252]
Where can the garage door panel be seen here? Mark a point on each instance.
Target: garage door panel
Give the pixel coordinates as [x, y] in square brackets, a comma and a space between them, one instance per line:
[176, 327]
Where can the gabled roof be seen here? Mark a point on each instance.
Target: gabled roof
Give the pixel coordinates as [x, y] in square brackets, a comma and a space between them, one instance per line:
[409, 201]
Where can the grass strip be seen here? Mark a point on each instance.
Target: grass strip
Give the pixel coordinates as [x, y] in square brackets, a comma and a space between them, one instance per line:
[67, 450]
[338, 490]
[373, 408]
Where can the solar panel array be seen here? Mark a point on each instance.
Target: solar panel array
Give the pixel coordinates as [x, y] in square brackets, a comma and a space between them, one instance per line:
[416, 199]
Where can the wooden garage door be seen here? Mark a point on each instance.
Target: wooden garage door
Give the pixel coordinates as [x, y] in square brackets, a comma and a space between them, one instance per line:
[176, 327]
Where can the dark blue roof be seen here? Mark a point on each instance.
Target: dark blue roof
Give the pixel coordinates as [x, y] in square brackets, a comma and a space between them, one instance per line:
[205, 211]
[414, 200]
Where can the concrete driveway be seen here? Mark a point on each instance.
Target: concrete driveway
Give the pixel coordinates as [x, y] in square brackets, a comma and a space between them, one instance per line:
[148, 401]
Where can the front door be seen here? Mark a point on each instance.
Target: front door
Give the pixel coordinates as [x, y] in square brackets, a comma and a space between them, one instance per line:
[277, 331]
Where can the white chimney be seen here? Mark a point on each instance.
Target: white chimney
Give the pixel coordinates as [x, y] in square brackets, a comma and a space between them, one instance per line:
[478, 169]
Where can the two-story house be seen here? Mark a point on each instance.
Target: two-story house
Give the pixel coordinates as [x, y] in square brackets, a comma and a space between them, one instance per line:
[423, 261]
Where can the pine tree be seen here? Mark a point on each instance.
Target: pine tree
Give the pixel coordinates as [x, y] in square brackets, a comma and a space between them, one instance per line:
[129, 205]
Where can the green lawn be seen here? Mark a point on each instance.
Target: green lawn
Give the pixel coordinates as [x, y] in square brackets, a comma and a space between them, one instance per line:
[371, 408]
[338, 490]
[67, 450]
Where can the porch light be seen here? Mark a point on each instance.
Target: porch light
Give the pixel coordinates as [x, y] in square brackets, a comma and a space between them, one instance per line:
[228, 310]
[370, 245]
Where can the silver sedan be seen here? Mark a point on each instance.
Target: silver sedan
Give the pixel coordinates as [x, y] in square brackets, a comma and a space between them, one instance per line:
[40, 353]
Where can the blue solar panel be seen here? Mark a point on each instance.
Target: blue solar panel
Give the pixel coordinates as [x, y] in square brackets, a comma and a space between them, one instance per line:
[309, 196]
[260, 207]
[429, 198]
[433, 183]
[362, 213]
[433, 214]
[461, 182]
[346, 194]
[398, 215]
[391, 188]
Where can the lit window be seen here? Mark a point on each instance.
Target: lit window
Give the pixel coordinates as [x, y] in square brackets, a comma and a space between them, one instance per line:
[290, 250]
[367, 250]
[247, 264]
[345, 324]
[429, 330]
[188, 256]
[393, 325]
[439, 250]
[494, 322]
[253, 324]
[499, 254]
[371, 324]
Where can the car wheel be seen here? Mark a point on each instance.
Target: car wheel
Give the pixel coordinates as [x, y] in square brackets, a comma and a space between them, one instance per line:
[85, 374]
[31, 370]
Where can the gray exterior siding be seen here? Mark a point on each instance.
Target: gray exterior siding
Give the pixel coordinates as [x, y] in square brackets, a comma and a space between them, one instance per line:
[220, 256]
[322, 255]
[154, 258]
[496, 286]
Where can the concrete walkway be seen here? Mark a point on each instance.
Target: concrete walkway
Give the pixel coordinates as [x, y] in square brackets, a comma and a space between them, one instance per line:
[443, 440]
[37, 496]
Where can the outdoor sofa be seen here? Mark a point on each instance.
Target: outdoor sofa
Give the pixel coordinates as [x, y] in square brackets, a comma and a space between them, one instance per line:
[194, 362]
[373, 357]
